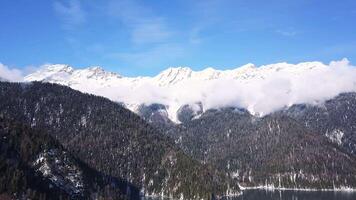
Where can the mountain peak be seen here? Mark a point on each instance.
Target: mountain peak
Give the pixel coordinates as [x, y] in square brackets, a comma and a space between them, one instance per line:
[65, 74]
[209, 69]
[98, 72]
[248, 66]
[95, 68]
[51, 73]
[58, 68]
[310, 65]
[173, 75]
[178, 70]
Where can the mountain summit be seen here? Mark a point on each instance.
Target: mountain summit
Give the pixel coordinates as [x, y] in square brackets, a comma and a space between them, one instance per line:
[260, 90]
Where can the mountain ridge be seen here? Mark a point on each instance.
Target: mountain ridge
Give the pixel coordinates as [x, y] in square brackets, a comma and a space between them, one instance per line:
[260, 90]
[294, 148]
[46, 71]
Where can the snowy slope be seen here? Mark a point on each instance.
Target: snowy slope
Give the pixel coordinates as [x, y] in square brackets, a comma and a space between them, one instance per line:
[260, 90]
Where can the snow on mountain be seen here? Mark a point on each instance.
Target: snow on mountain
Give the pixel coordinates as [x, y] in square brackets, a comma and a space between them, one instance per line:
[66, 75]
[52, 73]
[260, 90]
[335, 136]
[61, 170]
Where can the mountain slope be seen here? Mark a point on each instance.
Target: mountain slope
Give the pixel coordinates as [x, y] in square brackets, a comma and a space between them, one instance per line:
[336, 119]
[35, 166]
[111, 139]
[274, 150]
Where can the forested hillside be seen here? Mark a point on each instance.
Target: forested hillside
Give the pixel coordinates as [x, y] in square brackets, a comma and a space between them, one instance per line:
[112, 140]
[35, 166]
[273, 150]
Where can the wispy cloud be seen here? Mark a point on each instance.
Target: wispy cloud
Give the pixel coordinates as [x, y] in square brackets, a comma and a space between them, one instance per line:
[287, 33]
[194, 35]
[150, 31]
[144, 25]
[71, 13]
[155, 43]
[160, 54]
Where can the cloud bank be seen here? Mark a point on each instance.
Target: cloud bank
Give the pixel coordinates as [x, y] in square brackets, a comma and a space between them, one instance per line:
[8, 74]
[265, 90]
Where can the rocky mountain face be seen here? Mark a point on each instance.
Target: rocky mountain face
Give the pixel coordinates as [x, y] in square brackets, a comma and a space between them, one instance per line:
[304, 146]
[335, 119]
[111, 139]
[301, 146]
[36, 166]
[154, 114]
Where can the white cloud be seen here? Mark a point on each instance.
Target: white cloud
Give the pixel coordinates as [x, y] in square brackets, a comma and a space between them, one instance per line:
[194, 35]
[276, 89]
[10, 74]
[149, 31]
[152, 39]
[144, 25]
[71, 14]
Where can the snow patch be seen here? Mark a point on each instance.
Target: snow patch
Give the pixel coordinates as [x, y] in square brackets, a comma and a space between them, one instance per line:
[60, 170]
[335, 136]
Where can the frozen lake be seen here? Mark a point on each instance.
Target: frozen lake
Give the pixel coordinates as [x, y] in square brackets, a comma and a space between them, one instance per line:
[286, 195]
[294, 195]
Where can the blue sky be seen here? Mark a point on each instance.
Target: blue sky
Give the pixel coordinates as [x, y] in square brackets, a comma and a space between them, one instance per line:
[136, 37]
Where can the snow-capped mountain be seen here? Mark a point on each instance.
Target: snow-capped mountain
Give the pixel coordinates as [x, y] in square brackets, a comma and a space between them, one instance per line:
[66, 75]
[260, 90]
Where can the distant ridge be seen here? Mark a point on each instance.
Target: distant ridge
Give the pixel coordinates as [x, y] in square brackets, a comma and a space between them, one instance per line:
[260, 90]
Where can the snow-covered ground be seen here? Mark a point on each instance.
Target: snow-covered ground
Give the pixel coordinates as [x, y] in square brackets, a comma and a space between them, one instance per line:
[272, 187]
[60, 170]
